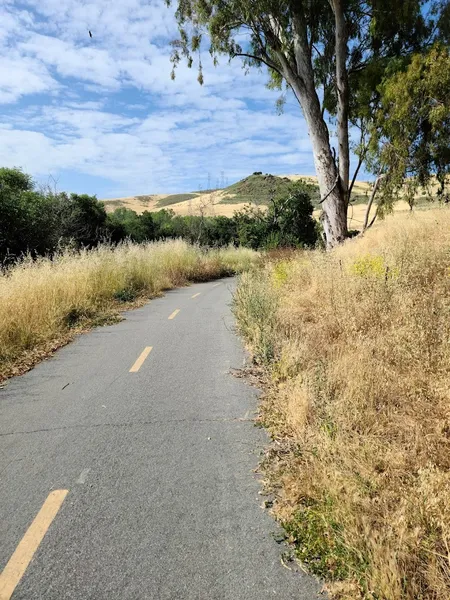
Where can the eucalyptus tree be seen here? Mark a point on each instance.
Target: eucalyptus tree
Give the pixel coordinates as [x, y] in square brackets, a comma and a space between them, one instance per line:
[324, 51]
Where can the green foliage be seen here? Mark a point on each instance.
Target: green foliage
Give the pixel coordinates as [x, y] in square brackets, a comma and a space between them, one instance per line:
[163, 223]
[411, 132]
[81, 218]
[291, 217]
[27, 221]
[280, 273]
[374, 267]
[255, 306]
[125, 223]
[288, 222]
[320, 543]
[148, 225]
[144, 198]
[256, 189]
[125, 295]
[15, 180]
[251, 226]
[40, 222]
[369, 265]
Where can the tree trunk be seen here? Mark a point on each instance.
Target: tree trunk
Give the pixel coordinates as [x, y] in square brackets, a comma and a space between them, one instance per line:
[334, 198]
[376, 185]
[342, 96]
[334, 206]
[374, 217]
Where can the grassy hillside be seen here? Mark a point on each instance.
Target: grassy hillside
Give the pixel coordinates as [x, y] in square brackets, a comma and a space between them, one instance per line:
[145, 199]
[44, 302]
[256, 189]
[355, 349]
[175, 199]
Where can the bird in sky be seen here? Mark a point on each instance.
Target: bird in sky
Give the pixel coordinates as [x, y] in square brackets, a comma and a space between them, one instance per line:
[90, 33]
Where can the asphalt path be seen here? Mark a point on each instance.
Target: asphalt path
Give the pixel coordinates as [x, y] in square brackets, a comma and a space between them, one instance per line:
[127, 465]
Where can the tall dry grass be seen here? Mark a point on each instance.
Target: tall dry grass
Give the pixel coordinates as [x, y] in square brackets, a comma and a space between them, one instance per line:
[43, 302]
[358, 351]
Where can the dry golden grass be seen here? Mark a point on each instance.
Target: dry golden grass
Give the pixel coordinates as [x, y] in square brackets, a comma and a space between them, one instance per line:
[356, 213]
[207, 203]
[135, 203]
[44, 302]
[357, 343]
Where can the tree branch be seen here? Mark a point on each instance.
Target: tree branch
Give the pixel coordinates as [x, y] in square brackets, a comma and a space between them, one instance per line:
[355, 174]
[378, 180]
[361, 158]
[329, 192]
[267, 62]
[317, 50]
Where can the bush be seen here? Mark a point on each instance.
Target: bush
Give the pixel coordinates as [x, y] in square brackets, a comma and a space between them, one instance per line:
[290, 218]
[27, 221]
[288, 222]
[38, 222]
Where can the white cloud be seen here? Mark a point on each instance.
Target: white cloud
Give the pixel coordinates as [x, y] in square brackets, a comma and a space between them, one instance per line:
[69, 60]
[20, 76]
[111, 110]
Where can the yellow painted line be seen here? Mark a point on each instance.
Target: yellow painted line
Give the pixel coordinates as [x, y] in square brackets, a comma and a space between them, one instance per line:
[19, 561]
[174, 314]
[195, 295]
[138, 364]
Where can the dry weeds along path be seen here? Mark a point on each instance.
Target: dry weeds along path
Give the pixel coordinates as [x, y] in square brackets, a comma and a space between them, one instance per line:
[126, 465]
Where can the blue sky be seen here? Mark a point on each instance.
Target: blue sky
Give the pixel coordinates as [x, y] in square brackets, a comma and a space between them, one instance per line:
[102, 115]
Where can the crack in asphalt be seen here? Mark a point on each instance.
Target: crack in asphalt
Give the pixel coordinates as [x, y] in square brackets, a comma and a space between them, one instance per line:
[128, 424]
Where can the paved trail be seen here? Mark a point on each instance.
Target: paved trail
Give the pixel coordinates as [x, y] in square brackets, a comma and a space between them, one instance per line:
[127, 472]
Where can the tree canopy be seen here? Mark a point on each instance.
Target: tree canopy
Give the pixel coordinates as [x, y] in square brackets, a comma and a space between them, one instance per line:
[410, 144]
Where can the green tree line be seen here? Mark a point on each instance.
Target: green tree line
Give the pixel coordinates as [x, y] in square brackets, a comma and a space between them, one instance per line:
[40, 222]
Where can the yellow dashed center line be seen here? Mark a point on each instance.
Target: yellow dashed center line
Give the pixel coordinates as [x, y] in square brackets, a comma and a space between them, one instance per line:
[174, 314]
[138, 364]
[195, 295]
[19, 561]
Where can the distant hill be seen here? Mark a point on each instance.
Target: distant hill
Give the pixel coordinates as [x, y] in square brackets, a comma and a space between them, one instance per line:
[256, 189]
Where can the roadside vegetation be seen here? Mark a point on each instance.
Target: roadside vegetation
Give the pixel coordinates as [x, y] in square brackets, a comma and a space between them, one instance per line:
[45, 301]
[67, 265]
[354, 346]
